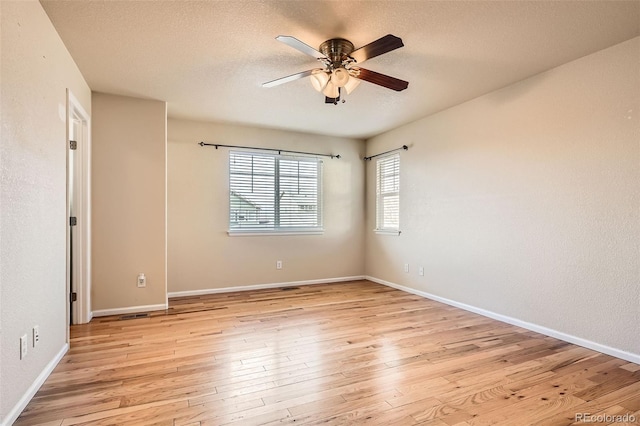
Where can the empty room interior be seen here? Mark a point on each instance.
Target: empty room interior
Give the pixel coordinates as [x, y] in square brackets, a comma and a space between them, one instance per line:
[305, 212]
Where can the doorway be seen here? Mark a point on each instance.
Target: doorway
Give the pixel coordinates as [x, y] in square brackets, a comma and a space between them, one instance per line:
[79, 214]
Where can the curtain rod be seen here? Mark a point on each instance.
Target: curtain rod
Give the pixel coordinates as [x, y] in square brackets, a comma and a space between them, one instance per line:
[383, 153]
[267, 149]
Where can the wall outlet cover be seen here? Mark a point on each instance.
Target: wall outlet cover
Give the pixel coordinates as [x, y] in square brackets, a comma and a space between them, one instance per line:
[24, 343]
[36, 335]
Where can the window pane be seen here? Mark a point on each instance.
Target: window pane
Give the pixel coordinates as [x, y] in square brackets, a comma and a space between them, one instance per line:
[391, 211]
[252, 187]
[299, 193]
[388, 192]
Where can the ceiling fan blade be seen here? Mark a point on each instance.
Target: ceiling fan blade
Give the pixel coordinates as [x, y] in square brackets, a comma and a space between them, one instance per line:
[381, 79]
[289, 78]
[376, 48]
[302, 47]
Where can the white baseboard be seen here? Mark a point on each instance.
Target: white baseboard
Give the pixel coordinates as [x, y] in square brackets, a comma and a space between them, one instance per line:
[618, 353]
[261, 286]
[14, 413]
[129, 310]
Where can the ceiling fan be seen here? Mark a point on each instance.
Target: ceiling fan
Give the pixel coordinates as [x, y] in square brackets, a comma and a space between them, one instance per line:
[341, 68]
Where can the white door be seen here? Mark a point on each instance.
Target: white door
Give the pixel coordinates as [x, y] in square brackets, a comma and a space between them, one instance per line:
[79, 229]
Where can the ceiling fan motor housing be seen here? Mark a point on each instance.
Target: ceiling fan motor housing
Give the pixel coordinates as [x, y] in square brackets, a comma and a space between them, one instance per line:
[337, 50]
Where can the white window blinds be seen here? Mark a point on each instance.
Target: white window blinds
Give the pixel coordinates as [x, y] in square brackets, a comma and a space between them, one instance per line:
[388, 193]
[273, 193]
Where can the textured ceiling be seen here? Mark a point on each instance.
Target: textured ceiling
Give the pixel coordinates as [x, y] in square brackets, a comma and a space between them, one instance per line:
[208, 59]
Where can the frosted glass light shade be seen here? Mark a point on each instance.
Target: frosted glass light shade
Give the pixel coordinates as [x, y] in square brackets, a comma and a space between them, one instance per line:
[340, 77]
[351, 84]
[319, 80]
[331, 90]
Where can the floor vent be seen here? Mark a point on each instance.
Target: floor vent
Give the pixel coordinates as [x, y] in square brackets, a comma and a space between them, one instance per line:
[290, 288]
[134, 316]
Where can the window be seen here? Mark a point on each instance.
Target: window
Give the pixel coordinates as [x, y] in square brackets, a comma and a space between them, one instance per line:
[388, 193]
[274, 193]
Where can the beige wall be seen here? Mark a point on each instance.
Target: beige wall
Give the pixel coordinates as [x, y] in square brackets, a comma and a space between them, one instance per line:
[36, 71]
[525, 202]
[202, 255]
[128, 202]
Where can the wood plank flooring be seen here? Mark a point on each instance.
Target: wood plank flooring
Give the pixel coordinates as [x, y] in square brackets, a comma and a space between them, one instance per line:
[343, 353]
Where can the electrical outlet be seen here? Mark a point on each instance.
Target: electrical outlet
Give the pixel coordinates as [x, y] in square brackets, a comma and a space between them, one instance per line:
[278, 264]
[142, 280]
[406, 267]
[36, 335]
[421, 271]
[24, 343]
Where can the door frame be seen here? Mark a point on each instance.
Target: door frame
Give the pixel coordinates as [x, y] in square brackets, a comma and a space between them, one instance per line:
[82, 230]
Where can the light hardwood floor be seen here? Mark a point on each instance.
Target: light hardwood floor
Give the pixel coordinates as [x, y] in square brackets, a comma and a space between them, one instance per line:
[342, 353]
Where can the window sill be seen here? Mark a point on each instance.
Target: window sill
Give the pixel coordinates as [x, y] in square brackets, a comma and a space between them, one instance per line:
[395, 232]
[254, 233]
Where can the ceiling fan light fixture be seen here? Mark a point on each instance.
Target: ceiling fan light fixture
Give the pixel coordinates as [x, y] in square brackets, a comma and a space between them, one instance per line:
[351, 84]
[340, 77]
[319, 80]
[331, 90]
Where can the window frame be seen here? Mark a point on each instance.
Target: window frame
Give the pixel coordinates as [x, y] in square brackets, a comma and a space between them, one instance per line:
[381, 226]
[278, 208]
